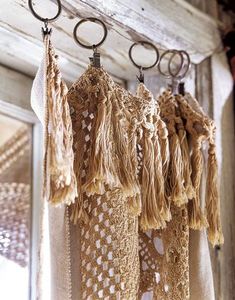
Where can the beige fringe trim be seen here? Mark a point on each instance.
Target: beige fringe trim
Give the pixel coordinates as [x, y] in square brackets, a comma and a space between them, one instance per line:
[175, 186]
[60, 185]
[186, 168]
[214, 230]
[155, 207]
[105, 154]
[201, 128]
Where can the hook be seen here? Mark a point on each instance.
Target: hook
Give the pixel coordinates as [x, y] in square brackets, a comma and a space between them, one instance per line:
[45, 30]
[141, 68]
[95, 60]
[141, 76]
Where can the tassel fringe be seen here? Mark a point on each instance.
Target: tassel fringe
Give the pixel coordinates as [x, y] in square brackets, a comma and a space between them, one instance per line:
[186, 168]
[59, 177]
[175, 178]
[212, 199]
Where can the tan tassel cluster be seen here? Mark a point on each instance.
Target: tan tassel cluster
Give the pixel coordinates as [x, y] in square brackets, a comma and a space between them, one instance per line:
[201, 130]
[105, 139]
[175, 179]
[60, 185]
[155, 207]
[110, 123]
[212, 198]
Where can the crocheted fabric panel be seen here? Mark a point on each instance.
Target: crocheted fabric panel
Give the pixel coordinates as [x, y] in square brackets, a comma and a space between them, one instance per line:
[109, 229]
[164, 262]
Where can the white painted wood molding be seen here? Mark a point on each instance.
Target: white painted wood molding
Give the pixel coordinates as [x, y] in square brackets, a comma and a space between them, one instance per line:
[168, 24]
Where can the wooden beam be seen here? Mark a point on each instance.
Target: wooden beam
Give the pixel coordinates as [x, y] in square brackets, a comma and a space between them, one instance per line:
[223, 113]
[169, 24]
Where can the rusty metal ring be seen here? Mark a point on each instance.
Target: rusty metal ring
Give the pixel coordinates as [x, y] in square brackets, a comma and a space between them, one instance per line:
[144, 43]
[170, 73]
[94, 20]
[45, 20]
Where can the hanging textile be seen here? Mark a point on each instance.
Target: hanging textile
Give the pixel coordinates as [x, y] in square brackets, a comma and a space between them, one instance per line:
[105, 120]
[201, 130]
[133, 180]
[49, 101]
[164, 253]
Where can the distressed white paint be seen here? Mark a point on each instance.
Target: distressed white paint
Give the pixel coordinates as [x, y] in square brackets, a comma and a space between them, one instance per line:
[170, 24]
[162, 22]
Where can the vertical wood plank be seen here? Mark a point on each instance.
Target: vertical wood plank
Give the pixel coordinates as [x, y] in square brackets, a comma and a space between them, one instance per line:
[224, 260]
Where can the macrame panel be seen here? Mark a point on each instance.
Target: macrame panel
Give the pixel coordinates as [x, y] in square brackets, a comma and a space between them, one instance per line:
[164, 262]
[108, 228]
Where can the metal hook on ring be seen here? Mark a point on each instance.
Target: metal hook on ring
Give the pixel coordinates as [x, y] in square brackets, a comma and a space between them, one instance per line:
[95, 60]
[141, 68]
[181, 70]
[45, 29]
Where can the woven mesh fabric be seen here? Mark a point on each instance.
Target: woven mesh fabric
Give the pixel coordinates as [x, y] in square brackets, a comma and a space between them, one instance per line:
[15, 197]
[109, 238]
[14, 225]
[164, 260]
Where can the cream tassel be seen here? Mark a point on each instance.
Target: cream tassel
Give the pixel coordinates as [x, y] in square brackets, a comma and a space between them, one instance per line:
[186, 169]
[125, 148]
[151, 215]
[134, 202]
[176, 182]
[155, 209]
[101, 170]
[212, 199]
[164, 146]
[59, 177]
[161, 196]
[78, 211]
[197, 219]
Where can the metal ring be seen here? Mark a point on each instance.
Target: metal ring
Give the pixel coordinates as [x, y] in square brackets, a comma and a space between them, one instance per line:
[188, 64]
[171, 65]
[144, 43]
[45, 20]
[170, 73]
[95, 20]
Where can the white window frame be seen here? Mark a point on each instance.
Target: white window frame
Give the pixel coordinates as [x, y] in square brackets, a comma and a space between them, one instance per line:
[29, 117]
